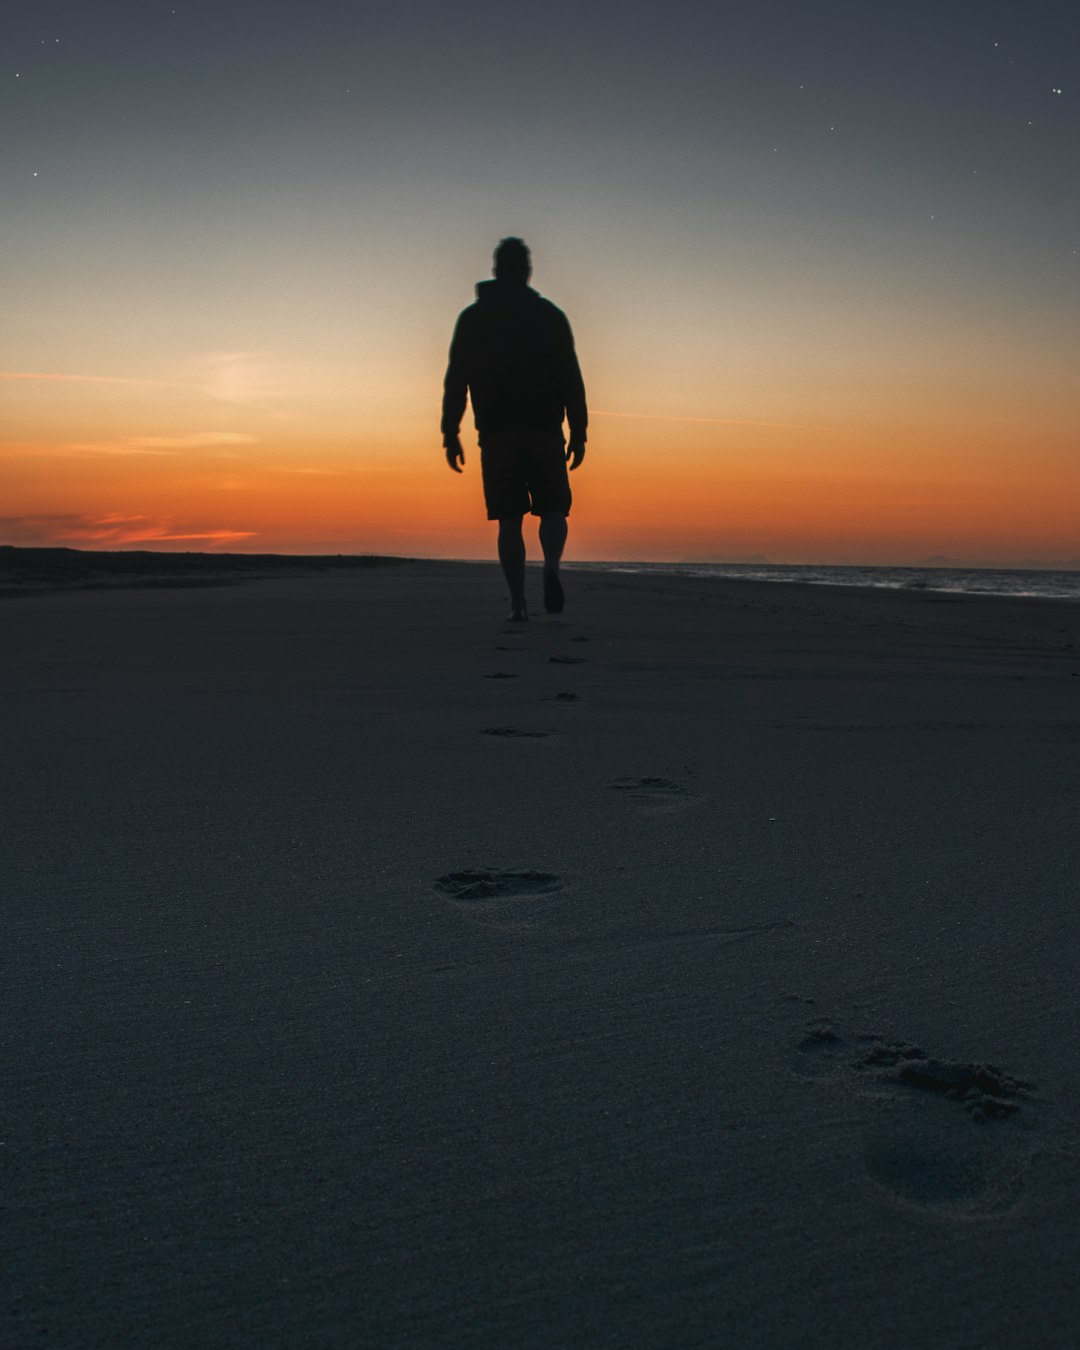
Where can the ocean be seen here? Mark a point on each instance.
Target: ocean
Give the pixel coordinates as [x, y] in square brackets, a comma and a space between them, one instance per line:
[1045, 584]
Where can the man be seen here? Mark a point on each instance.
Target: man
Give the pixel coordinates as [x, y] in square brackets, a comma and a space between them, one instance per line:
[513, 353]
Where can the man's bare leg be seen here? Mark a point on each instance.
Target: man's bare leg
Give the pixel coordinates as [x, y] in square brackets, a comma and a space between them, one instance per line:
[552, 541]
[512, 557]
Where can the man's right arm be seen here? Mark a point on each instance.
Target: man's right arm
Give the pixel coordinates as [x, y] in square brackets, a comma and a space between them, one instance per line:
[577, 411]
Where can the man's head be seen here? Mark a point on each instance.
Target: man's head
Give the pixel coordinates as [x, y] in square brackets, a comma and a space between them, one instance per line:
[512, 260]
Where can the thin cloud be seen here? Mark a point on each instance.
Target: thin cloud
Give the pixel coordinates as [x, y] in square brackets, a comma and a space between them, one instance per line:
[320, 472]
[102, 448]
[708, 421]
[207, 536]
[141, 445]
[22, 450]
[197, 440]
[107, 531]
[38, 530]
[244, 379]
[58, 378]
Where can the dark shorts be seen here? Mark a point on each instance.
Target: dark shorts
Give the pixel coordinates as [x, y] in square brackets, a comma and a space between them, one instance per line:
[524, 474]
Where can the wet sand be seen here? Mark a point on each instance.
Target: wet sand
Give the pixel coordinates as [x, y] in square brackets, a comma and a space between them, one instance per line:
[696, 968]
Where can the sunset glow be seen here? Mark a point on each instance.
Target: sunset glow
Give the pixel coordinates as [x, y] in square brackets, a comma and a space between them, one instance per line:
[819, 319]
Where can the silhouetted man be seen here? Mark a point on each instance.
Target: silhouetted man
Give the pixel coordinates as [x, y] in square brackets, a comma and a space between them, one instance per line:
[513, 353]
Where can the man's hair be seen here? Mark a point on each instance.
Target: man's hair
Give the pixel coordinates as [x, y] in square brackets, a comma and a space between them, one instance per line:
[513, 261]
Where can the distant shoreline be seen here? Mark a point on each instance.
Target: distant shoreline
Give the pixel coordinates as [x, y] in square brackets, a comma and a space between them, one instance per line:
[26, 571]
[1046, 622]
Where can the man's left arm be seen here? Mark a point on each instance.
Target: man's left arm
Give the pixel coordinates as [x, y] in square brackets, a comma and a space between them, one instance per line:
[455, 392]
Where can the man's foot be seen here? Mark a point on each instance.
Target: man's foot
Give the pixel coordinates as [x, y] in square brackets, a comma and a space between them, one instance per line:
[554, 599]
[519, 612]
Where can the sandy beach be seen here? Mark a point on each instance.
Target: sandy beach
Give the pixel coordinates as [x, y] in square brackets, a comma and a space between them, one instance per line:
[696, 968]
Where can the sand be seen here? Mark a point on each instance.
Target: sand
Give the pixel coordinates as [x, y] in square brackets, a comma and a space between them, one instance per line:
[697, 968]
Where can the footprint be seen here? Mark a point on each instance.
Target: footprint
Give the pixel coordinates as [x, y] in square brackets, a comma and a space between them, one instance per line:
[508, 900]
[568, 660]
[652, 791]
[580, 639]
[821, 1051]
[487, 884]
[516, 731]
[931, 1169]
[501, 675]
[563, 698]
[983, 1090]
[929, 1159]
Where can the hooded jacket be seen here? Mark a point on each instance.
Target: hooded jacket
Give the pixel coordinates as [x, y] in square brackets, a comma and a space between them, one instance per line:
[513, 353]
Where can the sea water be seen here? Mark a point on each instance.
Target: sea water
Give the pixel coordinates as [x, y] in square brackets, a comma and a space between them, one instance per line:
[1044, 584]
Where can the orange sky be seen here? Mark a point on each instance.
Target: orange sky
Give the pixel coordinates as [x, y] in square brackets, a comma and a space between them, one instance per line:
[809, 427]
[239, 461]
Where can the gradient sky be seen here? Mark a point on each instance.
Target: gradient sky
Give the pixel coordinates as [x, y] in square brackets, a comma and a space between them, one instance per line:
[821, 260]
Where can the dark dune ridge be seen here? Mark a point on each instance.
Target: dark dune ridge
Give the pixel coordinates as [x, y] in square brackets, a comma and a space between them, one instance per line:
[26, 570]
[341, 1008]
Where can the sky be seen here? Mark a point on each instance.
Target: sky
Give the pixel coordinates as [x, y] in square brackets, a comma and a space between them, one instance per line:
[822, 263]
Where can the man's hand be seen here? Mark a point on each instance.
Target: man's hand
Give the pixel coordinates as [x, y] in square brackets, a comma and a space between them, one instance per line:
[455, 455]
[575, 453]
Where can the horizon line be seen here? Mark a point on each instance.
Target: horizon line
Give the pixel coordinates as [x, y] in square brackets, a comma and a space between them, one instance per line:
[938, 562]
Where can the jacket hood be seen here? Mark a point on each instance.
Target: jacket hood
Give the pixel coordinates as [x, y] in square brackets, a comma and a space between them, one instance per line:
[498, 292]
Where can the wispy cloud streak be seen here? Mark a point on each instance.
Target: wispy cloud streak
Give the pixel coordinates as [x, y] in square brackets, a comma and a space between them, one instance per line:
[57, 378]
[134, 445]
[109, 531]
[196, 441]
[707, 421]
